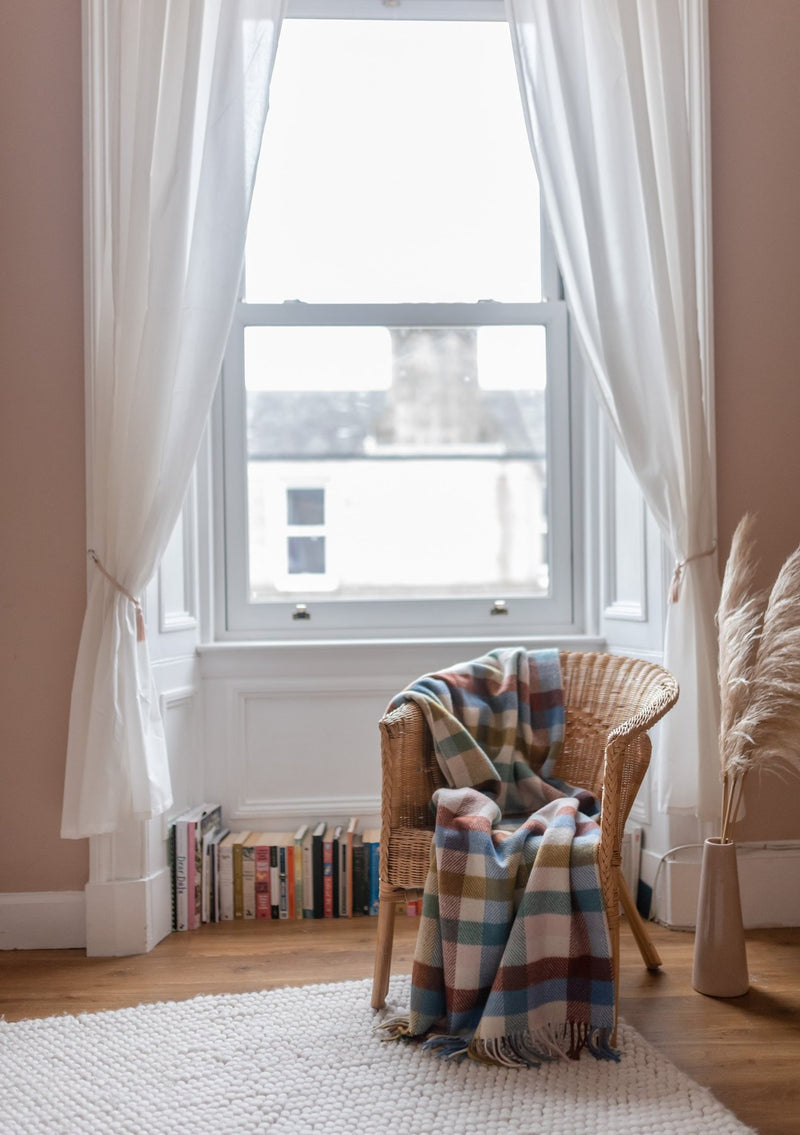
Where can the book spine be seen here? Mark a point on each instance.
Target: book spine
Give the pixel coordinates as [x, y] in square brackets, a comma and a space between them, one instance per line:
[197, 913]
[327, 878]
[263, 898]
[284, 881]
[191, 872]
[226, 883]
[374, 881]
[343, 877]
[318, 880]
[205, 877]
[298, 878]
[274, 882]
[171, 854]
[207, 827]
[336, 879]
[308, 878]
[214, 912]
[248, 882]
[291, 882]
[238, 893]
[360, 880]
[181, 877]
[350, 874]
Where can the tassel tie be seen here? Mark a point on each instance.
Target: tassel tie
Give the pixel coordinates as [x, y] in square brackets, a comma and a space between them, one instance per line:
[677, 575]
[140, 632]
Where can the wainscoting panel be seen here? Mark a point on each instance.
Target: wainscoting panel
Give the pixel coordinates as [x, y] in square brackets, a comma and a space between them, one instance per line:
[291, 731]
[180, 713]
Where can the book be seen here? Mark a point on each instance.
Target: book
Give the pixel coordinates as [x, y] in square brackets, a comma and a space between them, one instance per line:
[172, 874]
[372, 845]
[341, 846]
[286, 857]
[190, 828]
[274, 881]
[360, 876]
[238, 891]
[327, 875]
[336, 850]
[210, 821]
[226, 905]
[299, 837]
[317, 870]
[211, 874]
[248, 850]
[308, 874]
[263, 882]
[352, 827]
[181, 882]
[283, 898]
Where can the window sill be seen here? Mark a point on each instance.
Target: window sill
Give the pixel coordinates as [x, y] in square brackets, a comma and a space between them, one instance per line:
[373, 657]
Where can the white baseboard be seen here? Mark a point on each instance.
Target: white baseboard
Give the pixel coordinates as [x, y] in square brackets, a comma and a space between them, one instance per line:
[113, 919]
[126, 917]
[43, 920]
[769, 884]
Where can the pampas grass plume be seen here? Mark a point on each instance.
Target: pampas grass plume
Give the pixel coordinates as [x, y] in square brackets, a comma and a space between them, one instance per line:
[759, 671]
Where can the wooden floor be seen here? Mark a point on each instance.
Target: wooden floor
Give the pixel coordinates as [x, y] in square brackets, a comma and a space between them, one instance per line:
[746, 1049]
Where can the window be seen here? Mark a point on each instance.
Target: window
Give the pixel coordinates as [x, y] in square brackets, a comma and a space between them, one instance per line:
[395, 392]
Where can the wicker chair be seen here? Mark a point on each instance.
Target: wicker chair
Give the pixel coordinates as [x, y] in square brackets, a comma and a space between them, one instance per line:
[610, 703]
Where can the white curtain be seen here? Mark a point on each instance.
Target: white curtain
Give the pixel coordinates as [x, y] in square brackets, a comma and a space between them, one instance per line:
[176, 102]
[605, 88]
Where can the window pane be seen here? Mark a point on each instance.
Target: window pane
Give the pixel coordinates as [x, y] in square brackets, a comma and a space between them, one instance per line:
[306, 555]
[305, 506]
[395, 167]
[434, 484]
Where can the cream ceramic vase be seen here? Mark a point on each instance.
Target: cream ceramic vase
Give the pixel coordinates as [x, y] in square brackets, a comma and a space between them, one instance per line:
[720, 959]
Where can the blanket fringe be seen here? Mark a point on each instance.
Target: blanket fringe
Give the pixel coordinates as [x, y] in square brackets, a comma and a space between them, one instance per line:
[524, 1050]
[396, 1027]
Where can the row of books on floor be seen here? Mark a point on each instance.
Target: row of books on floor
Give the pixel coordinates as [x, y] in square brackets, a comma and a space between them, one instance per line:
[317, 871]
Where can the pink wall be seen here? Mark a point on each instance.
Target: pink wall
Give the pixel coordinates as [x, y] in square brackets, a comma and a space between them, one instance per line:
[756, 171]
[755, 98]
[42, 573]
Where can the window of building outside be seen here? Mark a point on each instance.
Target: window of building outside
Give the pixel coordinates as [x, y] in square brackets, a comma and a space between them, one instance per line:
[395, 394]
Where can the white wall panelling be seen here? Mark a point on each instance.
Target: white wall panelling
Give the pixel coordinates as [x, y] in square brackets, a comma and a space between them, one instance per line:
[180, 713]
[292, 730]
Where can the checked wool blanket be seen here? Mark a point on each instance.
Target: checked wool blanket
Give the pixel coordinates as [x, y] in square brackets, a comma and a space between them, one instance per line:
[512, 963]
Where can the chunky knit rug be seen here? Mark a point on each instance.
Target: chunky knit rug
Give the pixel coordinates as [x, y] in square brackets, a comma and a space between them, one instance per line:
[303, 1061]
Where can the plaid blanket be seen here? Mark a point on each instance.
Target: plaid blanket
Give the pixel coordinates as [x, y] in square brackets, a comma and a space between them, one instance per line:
[512, 964]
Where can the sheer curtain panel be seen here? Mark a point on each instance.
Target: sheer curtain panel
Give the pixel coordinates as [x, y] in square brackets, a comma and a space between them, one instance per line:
[176, 98]
[610, 91]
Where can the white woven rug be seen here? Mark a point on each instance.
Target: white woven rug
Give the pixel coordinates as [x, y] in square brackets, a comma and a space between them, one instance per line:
[302, 1061]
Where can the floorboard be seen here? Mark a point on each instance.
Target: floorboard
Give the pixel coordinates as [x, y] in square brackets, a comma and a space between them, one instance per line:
[745, 1049]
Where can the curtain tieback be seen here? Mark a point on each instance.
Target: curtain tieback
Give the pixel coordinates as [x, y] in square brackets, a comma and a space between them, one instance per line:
[677, 575]
[140, 635]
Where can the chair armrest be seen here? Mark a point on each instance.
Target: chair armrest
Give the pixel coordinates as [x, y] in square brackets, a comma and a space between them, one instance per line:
[410, 776]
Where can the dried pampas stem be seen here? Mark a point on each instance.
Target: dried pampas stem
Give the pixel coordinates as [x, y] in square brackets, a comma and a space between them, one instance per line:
[759, 672]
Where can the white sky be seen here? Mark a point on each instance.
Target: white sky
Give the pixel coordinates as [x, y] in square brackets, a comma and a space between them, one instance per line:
[359, 358]
[395, 167]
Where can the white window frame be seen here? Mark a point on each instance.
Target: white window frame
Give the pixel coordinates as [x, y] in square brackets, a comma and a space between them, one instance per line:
[237, 618]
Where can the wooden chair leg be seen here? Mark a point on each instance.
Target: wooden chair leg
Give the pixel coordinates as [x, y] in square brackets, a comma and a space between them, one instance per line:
[613, 926]
[383, 951]
[649, 953]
